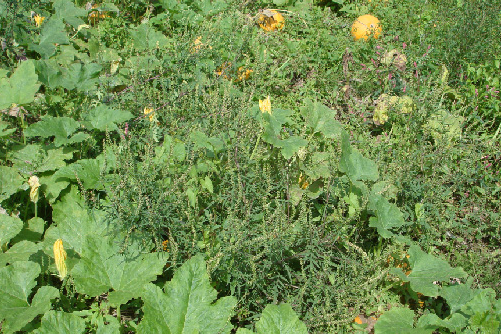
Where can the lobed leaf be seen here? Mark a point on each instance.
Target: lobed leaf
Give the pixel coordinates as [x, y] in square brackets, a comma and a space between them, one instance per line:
[187, 304]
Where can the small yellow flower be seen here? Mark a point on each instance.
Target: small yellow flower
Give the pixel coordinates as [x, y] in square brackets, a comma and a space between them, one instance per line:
[38, 20]
[60, 257]
[34, 185]
[265, 105]
[165, 244]
[150, 113]
[243, 74]
[303, 184]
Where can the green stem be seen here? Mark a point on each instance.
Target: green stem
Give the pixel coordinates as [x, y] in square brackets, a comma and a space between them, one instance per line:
[36, 209]
[118, 314]
[255, 146]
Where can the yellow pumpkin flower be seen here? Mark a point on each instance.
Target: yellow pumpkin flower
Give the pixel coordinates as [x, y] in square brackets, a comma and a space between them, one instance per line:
[303, 184]
[265, 105]
[34, 185]
[150, 113]
[243, 74]
[60, 257]
[38, 20]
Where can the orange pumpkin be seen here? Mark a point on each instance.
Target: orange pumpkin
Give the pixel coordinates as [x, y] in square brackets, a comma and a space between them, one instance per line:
[366, 26]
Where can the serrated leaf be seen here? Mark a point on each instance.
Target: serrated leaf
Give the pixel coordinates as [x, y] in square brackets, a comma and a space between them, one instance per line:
[398, 320]
[23, 77]
[280, 319]
[20, 251]
[10, 182]
[35, 158]
[88, 171]
[4, 132]
[74, 221]
[458, 295]
[291, 146]
[59, 127]
[427, 269]
[105, 118]
[16, 282]
[102, 268]
[187, 305]
[354, 165]
[52, 186]
[9, 228]
[388, 215]
[52, 33]
[71, 14]
[145, 37]
[320, 118]
[54, 322]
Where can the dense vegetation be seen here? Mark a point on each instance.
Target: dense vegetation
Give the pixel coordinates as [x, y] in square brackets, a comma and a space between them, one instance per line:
[157, 156]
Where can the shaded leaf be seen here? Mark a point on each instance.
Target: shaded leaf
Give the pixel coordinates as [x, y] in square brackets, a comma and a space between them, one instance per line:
[59, 127]
[388, 215]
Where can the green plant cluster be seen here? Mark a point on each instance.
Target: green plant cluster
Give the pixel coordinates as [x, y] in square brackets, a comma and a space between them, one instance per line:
[138, 133]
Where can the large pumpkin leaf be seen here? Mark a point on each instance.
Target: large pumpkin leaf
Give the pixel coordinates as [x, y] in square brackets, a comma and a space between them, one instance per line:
[59, 127]
[320, 118]
[145, 37]
[21, 87]
[388, 215]
[53, 32]
[102, 268]
[427, 269]
[20, 251]
[105, 118]
[74, 221]
[278, 319]
[16, 283]
[54, 322]
[10, 182]
[353, 164]
[187, 304]
[400, 320]
[67, 10]
[9, 228]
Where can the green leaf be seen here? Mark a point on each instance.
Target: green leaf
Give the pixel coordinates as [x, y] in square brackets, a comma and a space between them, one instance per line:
[4, 132]
[102, 267]
[74, 221]
[20, 251]
[280, 319]
[292, 145]
[459, 294]
[427, 269]
[320, 118]
[113, 326]
[16, 283]
[388, 215]
[10, 182]
[70, 13]
[105, 118]
[54, 322]
[354, 165]
[21, 87]
[35, 158]
[187, 304]
[9, 228]
[52, 33]
[59, 127]
[399, 320]
[52, 186]
[145, 37]
[88, 171]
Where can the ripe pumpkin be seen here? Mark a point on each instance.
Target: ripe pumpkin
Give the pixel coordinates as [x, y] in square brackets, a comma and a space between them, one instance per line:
[271, 20]
[366, 26]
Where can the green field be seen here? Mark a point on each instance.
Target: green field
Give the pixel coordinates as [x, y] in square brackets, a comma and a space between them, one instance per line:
[179, 166]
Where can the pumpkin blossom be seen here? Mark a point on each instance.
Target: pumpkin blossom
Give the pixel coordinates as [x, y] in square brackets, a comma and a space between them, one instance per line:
[60, 257]
[265, 105]
[34, 185]
[38, 20]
